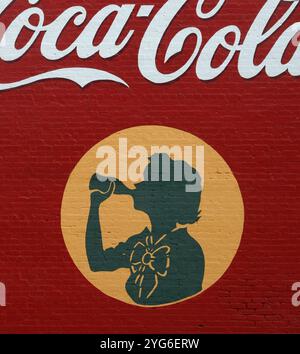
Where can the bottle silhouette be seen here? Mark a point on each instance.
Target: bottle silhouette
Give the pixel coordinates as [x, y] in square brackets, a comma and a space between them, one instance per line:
[105, 185]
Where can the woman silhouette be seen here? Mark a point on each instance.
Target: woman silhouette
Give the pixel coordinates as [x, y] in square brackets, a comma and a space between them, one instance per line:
[166, 264]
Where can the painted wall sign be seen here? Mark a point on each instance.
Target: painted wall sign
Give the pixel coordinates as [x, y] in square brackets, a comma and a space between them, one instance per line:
[150, 167]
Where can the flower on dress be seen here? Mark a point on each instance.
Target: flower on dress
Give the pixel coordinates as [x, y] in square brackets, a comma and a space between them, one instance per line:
[149, 262]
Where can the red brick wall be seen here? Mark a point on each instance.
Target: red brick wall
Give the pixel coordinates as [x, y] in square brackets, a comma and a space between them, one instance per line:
[44, 130]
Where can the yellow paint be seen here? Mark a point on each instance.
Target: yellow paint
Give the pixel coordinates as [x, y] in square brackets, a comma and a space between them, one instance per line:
[218, 231]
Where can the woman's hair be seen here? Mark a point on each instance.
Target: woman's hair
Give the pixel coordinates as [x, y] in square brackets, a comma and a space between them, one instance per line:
[176, 188]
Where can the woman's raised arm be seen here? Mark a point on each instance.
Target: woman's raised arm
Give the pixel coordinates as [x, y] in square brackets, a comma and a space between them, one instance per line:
[94, 245]
[98, 258]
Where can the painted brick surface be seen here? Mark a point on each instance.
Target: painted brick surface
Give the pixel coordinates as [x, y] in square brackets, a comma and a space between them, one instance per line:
[45, 129]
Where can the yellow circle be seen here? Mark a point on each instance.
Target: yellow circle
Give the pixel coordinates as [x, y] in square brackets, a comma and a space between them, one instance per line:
[218, 231]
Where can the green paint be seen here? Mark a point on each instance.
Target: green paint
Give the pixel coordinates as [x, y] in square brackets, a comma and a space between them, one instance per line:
[166, 264]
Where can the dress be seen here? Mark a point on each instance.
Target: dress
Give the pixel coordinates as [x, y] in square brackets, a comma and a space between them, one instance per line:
[165, 270]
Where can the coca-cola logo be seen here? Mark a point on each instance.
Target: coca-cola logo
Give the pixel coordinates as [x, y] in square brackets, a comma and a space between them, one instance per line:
[236, 42]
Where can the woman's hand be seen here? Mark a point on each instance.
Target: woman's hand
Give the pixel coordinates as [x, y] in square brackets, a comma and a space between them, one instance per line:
[101, 189]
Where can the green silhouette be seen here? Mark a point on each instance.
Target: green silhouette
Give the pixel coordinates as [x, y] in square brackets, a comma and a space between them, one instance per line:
[166, 264]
